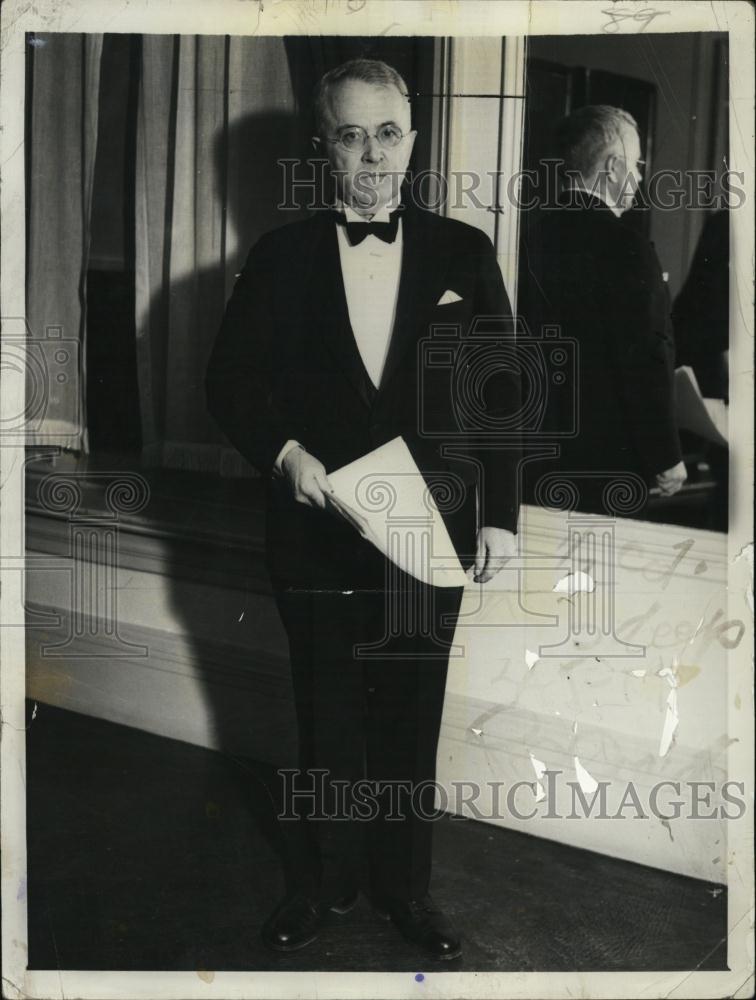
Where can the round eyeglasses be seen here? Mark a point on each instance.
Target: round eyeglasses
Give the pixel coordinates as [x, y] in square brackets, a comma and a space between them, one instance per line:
[638, 163]
[354, 138]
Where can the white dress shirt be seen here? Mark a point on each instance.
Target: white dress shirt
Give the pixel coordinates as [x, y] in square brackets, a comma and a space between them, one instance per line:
[371, 271]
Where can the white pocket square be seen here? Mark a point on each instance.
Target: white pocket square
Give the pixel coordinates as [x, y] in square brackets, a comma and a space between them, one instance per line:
[448, 297]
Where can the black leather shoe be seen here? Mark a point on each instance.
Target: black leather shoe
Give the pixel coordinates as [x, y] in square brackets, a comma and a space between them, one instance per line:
[294, 924]
[345, 903]
[421, 922]
[298, 920]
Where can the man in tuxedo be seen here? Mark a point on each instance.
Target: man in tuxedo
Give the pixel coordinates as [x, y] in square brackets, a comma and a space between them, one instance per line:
[589, 273]
[317, 363]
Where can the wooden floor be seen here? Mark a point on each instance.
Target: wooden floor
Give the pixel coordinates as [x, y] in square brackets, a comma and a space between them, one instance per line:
[145, 853]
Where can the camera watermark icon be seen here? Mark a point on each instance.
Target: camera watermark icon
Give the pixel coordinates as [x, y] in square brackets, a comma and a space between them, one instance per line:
[469, 371]
[37, 372]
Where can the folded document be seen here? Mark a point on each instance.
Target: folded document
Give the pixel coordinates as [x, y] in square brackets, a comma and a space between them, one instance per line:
[384, 496]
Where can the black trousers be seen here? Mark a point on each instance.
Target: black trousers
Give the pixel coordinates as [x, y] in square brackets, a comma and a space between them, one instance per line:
[369, 673]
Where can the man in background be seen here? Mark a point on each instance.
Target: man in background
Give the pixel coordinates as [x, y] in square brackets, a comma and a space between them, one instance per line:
[587, 272]
[316, 365]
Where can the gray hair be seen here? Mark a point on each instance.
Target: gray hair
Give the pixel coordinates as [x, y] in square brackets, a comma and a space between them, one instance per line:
[585, 136]
[367, 70]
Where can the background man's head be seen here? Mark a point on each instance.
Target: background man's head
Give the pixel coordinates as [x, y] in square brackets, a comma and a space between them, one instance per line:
[601, 150]
[364, 125]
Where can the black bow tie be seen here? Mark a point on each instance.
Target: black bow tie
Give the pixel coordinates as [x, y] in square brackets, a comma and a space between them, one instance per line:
[357, 231]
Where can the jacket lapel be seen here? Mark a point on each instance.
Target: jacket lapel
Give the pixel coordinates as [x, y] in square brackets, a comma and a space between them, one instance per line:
[329, 309]
[422, 262]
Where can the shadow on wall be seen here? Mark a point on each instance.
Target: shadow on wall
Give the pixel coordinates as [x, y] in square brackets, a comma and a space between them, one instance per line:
[248, 187]
[244, 684]
[251, 178]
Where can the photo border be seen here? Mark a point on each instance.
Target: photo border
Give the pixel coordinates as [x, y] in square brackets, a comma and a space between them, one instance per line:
[374, 17]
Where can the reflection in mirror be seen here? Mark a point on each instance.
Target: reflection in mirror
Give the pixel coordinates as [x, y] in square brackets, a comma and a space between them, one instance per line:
[624, 257]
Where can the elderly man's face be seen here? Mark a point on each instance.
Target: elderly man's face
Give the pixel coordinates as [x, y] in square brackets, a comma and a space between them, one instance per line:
[627, 172]
[368, 178]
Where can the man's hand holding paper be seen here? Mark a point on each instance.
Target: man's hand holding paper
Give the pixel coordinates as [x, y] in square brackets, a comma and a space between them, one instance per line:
[672, 480]
[306, 477]
[494, 547]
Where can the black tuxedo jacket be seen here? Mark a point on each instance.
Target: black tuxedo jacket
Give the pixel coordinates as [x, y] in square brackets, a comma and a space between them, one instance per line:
[589, 273]
[286, 366]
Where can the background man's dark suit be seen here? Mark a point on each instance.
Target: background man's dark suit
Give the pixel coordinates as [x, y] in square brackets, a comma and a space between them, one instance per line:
[286, 366]
[592, 275]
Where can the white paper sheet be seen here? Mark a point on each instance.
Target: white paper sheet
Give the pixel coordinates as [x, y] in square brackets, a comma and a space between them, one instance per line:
[384, 497]
[705, 417]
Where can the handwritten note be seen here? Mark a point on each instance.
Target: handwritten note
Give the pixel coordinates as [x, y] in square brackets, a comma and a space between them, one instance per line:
[624, 17]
